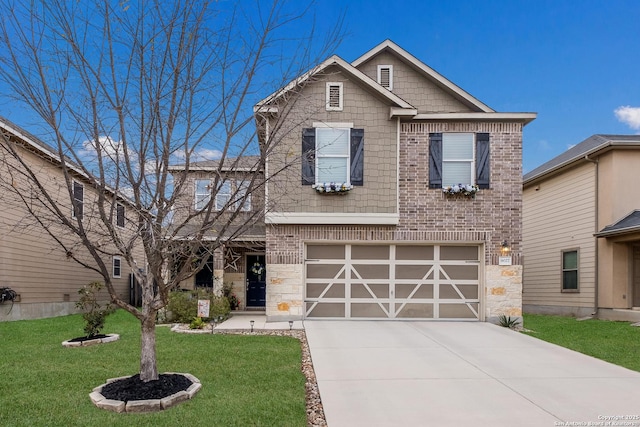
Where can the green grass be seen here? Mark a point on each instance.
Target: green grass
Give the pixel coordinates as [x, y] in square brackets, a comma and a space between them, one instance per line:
[615, 342]
[246, 380]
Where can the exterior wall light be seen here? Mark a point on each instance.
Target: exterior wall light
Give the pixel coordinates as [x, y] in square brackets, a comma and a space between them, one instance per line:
[505, 254]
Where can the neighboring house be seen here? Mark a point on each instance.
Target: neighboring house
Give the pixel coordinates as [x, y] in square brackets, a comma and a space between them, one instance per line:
[231, 184]
[581, 231]
[359, 227]
[44, 277]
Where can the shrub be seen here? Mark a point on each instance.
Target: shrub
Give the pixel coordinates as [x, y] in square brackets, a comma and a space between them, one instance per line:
[227, 293]
[197, 323]
[94, 314]
[508, 322]
[183, 305]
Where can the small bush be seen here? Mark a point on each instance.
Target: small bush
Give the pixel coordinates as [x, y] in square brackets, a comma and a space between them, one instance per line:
[94, 314]
[197, 323]
[227, 293]
[183, 305]
[508, 322]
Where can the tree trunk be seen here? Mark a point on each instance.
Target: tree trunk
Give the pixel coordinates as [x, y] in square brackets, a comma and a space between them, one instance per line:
[148, 365]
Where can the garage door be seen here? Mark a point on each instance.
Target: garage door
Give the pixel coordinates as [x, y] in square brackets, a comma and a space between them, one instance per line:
[392, 281]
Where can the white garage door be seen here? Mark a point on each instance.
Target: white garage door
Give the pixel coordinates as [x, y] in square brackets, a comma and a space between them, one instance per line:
[392, 281]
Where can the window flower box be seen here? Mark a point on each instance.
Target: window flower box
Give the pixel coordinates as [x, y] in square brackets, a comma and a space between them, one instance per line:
[332, 187]
[461, 190]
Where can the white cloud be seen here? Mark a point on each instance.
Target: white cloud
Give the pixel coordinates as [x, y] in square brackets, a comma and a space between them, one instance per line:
[629, 115]
[108, 147]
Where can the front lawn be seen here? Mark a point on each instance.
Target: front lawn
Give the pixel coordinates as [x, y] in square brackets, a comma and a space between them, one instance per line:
[615, 342]
[246, 380]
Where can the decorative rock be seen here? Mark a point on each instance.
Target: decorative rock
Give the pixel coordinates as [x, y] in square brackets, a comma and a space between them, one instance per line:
[111, 405]
[152, 405]
[193, 389]
[174, 399]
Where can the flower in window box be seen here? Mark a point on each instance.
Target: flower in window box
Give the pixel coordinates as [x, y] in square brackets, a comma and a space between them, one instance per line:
[466, 190]
[332, 187]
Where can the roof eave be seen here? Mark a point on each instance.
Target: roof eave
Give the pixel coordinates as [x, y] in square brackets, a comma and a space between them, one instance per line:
[524, 118]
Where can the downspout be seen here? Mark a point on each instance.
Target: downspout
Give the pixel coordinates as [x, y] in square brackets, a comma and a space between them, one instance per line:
[597, 263]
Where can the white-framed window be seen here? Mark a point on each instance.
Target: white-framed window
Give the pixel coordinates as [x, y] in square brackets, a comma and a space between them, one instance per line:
[223, 195]
[335, 96]
[117, 267]
[385, 76]
[458, 154]
[120, 215]
[78, 200]
[570, 270]
[332, 155]
[243, 188]
[203, 193]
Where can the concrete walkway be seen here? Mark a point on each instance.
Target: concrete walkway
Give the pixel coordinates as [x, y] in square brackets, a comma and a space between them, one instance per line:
[242, 320]
[461, 374]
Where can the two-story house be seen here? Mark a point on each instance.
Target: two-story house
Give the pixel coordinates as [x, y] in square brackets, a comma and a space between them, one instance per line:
[407, 199]
[44, 277]
[581, 227]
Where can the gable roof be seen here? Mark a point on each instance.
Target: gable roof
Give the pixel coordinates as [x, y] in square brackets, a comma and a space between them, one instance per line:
[583, 150]
[428, 72]
[335, 60]
[231, 164]
[628, 224]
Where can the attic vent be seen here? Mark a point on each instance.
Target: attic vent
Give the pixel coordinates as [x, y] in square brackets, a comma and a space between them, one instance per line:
[334, 97]
[385, 76]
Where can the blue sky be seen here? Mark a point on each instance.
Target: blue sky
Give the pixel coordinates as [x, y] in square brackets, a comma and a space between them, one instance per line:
[573, 62]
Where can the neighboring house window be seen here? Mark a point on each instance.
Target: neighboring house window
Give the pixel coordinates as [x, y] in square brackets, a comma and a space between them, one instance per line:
[334, 97]
[223, 195]
[203, 193]
[332, 155]
[233, 190]
[459, 158]
[385, 76]
[78, 200]
[117, 267]
[120, 215]
[570, 271]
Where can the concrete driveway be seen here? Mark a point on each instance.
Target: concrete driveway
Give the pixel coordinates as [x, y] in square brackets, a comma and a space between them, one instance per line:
[462, 374]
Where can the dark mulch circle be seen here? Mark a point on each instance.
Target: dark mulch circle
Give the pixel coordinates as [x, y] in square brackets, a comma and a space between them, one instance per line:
[92, 337]
[133, 388]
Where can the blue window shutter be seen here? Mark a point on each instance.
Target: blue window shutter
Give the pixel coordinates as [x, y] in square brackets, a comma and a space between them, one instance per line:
[483, 171]
[435, 160]
[357, 156]
[308, 156]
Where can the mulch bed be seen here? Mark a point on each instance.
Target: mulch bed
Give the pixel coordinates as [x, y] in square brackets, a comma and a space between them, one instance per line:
[133, 388]
[92, 337]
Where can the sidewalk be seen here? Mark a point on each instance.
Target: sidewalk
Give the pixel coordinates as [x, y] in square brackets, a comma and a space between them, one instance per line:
[242, 320]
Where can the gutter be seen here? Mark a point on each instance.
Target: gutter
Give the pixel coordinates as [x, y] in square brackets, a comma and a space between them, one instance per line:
[597, 263]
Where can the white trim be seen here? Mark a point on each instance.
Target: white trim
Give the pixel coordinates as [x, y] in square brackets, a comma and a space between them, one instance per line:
[397, 111]
[322, 218]
[398, 125]
[332, 125]
[525, 118]
[390, 68]
[340, 87]
[113, 267]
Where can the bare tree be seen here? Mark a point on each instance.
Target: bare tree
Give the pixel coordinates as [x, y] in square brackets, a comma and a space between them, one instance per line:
[124, 90]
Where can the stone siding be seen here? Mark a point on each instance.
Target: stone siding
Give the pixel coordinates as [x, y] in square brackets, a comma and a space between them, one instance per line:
[285, 292]
[503, 292]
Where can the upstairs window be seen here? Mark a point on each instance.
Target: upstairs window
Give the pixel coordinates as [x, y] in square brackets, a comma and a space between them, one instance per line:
[78, 200]
[385, 76]
[459, 158]
[223, 195]
[120, 215]
[334, 97]
[570, 271]
[333, 154]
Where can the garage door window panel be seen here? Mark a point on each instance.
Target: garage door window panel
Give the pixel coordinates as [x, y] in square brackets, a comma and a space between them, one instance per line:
[325, 290]
[330, 309]
[458, 253]
[416, 272]
[369, 310]
[407, 252]
[325, 252]
[458, 311]
[418, 311]
[324, 271]
[370, 252]
[370, 271]
[362, 290]
[414, 291]
[461, 272]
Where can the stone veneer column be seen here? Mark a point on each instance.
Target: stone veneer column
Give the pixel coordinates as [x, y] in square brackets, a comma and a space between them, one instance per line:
[284, 292]
[503, 292]
[218, 270]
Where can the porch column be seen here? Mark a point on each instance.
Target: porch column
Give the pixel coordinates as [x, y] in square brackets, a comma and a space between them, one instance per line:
[218, 270]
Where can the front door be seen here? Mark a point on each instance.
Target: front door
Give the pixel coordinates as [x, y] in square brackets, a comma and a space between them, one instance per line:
[256, 281]
[636, 276]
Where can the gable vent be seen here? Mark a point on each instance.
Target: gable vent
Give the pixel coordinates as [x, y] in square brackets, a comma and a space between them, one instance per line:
[385, 76]
[334, 96]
